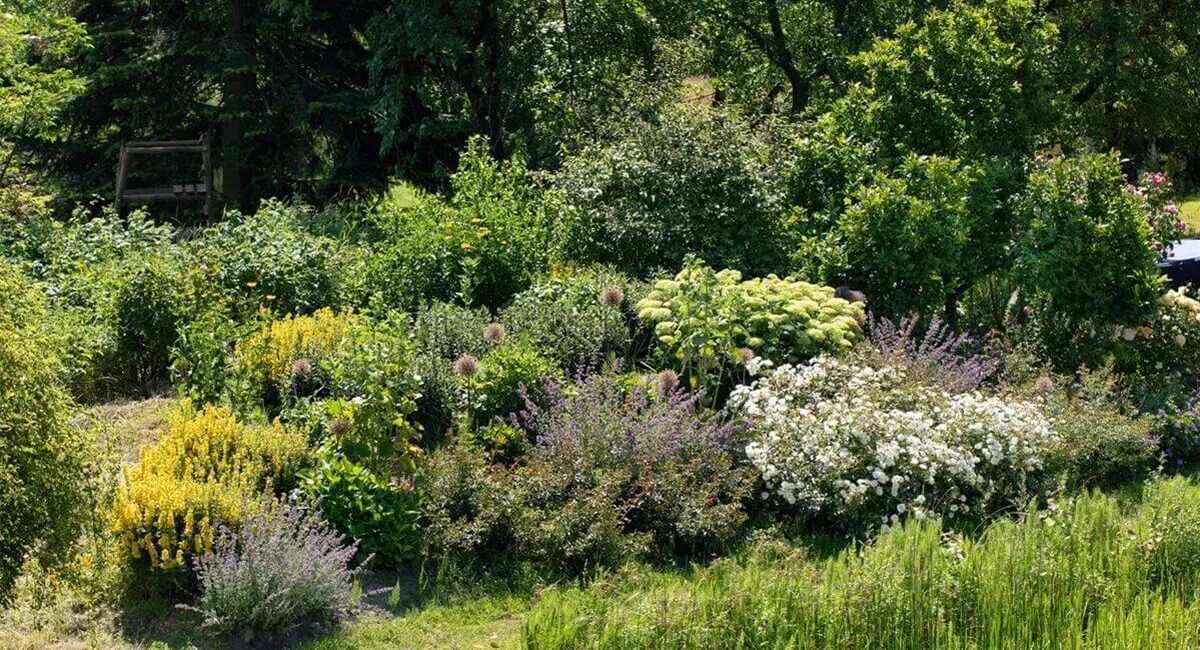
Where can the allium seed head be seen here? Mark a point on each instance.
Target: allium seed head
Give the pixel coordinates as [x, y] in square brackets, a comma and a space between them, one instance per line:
[338, 427]
[494, 333]
[1044, 384]
[612, 296]
[466, 366]
[302, 368]
[668, 380]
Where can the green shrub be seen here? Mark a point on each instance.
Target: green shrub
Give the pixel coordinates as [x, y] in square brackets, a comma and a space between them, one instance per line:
[508, 376]
[466, 510]
[693, 180]
[149, 307]
[1085, 261]
[917, 238]
[503, 442]
[271, 259]
[479, 247]
[573, 319]
[44, 462]
[1102, 446]
[380, 515]
[703, 319]
[443, 332]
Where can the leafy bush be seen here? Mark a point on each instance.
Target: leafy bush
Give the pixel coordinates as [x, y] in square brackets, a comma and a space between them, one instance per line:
[467, 510]
[508, 376]
[197, 477]
[444, 332]
[503, 442]
[379, 515]
[479, 247]
[1102, 446]
[691, 181]
[45, 477]
[861, 446]
[567, 318]
[281, 565]
[150, 306]
[617, 474]
[704, 318]
[270, 259]
[1085, 259]
[916, 238]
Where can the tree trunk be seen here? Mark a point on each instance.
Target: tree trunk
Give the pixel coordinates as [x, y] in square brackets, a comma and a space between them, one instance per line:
[239, 83]
[783, 56]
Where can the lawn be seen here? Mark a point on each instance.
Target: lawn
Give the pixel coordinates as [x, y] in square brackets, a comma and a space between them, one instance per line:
[1190, 209]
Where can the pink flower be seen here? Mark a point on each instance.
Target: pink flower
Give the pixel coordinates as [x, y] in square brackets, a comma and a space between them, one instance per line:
[1171, 208]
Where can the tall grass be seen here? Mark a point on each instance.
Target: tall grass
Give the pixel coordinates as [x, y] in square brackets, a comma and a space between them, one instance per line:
[1094, 572]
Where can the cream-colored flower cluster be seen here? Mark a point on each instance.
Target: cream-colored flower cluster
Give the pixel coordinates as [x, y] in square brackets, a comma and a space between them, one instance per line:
[837, 437]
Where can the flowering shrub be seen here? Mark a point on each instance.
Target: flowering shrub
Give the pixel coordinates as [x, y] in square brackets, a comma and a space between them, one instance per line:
[618, 473]
[281, 564]
[266, 362]
[940, 355]
[1154, 190]
[170, 503]
[704, 318]
[867, 445]
[1167, 347]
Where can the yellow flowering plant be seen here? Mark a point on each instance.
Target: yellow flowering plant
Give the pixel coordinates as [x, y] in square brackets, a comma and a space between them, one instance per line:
[207, 469]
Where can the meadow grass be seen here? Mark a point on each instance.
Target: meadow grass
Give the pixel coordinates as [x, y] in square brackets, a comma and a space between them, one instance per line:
[1093, 573]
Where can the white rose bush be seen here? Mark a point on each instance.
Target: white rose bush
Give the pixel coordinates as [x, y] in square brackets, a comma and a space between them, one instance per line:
[865, 446]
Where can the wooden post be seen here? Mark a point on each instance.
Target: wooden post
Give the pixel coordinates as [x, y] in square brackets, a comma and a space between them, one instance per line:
[208, 179]
[122, 174]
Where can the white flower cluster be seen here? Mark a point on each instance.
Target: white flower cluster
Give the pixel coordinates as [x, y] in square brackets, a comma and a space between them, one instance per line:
[850, 440]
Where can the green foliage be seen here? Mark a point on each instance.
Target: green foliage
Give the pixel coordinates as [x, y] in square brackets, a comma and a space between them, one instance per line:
[150, 306]
[565, 317]
[1084, 259]
[478, 247]
[704, 318]
[466, 510]
[508, 376]
[1102, 445]
[379, 514]
[916, 239]
[503, 442]
[691, 181]
[443, 332]
[270, 260]
[968, 81]
[1081, 573]
[45, 478]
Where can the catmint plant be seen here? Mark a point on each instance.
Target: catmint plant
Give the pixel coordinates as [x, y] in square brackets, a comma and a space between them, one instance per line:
[282, 565]
[940, 355]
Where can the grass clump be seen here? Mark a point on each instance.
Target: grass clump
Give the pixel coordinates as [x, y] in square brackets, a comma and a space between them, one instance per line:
[1087, 573]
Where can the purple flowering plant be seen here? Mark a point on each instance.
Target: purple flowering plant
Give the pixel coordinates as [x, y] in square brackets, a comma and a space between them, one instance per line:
[939, 355]
[656, 465]
[282, 566]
